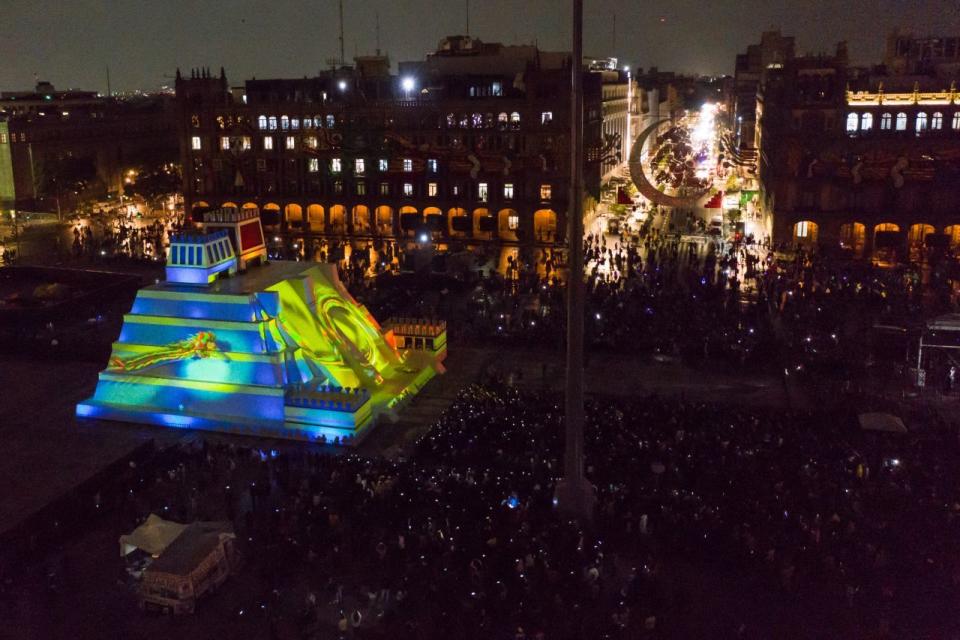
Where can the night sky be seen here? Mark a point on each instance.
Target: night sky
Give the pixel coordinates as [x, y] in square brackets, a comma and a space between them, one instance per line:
[70, 43]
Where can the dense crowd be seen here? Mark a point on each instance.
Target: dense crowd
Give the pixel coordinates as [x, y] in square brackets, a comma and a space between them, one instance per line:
[841, 532]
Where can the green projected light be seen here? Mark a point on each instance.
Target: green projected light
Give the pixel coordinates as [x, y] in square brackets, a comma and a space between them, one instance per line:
[282, 350]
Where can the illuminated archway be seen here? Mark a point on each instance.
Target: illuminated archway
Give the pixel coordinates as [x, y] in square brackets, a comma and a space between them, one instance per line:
[545, 225]
[338, 219]
[953, 232]
[200, 204]
[293, 214]
[458, 222]
[269, 214]
[916, 240]
[410, 219]
[384, 216]
[433, 218]
[229, 205]
[853, 237]
[361, 220]
[315, 217]
[887, 242]
[508, 223]
[483, 224]
[805, 233]
[250, 205]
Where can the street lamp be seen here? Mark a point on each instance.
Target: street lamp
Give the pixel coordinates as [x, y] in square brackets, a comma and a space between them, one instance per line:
[342, 85]
[408, 84]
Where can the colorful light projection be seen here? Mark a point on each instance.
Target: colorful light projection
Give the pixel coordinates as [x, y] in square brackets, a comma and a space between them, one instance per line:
[282, 350]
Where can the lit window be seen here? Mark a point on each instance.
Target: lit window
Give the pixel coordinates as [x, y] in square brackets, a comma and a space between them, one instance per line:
[361, 188]
[338, 186]
[546, 192]
[482, 192]
[284, 122]
[291, 142]
[515, 118]
[407, 164]
[382, 164]
[267, 143]
[307, 123]
[310, 141]
[384, 188]
[313, 165]
[866, 122]
[546, 117]
[273, 123]
[432, 165]
[901, 121]
[853, 122]
[508, 191]
[335, 165]
[502, 120]
[513, 222]
[886, 122]
[803, 229]
[432, 189]
[455, 190]
[936, 122]
[408, 188]
[476, 120]
[451, 121]
[295, 123]
[245, 143]
[955, 124]
[921, 124]
[496, 89]
[225, 143]
[359, 166]
[3, 138]
[262, 122]
[331, 121]
[195, 143]
[317, 122]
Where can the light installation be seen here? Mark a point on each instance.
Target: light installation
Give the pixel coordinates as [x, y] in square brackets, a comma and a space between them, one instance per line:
[280, 350]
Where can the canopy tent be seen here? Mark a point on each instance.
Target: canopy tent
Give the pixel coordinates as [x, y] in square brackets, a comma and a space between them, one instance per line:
[943, 332]
[881, 422]
[153, 536]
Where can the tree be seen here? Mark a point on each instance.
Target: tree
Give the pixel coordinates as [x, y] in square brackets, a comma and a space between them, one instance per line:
[153, 182]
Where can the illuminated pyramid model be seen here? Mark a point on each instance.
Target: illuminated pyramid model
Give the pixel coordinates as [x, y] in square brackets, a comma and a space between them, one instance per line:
[228, 343]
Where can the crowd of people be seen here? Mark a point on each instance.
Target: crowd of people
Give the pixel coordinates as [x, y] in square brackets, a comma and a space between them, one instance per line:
[708, 519]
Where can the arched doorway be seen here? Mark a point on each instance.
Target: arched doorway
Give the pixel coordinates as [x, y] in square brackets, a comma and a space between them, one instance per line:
[916, 241]
[384, 220]
[545, 226]
[483, 224]
[338, 220]
[887, 242]
[805, 233]
[229, 205]
[293, 214]
[270, 214]
[249, 205]
[315, 217]
[410, 219]
[953, 233]
[458, 222]
[361, 220]
[508, 224]
[853, 237]
[433, 219]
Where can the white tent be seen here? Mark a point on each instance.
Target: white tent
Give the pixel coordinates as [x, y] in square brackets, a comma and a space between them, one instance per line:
[153, 536]
[882, 422]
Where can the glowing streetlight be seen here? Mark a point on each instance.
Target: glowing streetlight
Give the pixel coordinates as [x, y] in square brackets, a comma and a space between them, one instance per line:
[342, 85]
[408, 84]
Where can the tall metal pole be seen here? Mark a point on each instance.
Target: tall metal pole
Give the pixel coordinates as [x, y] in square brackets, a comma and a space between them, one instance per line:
[342, 57]
[574, 495]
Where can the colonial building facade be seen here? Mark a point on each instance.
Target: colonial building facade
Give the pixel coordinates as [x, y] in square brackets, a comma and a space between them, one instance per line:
[467, 146]
[861, 160]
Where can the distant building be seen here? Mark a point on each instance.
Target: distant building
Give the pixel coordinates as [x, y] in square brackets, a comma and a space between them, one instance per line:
[53, 143]
[864, 160]
[470, 145]
[750, 73]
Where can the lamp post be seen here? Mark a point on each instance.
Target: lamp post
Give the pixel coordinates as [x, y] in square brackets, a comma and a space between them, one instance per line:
[574, 494]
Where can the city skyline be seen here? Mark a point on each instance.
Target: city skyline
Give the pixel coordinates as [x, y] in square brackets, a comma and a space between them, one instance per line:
[144, 44]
